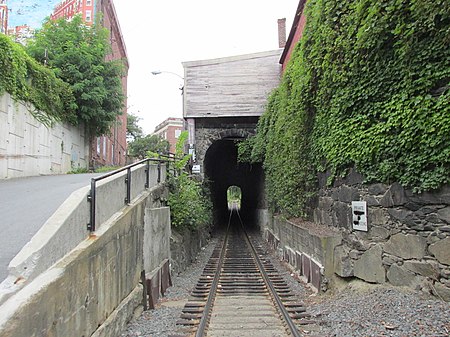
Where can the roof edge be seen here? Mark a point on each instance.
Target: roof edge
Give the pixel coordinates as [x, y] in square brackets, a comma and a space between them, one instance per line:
[232, 58]
[294, 26]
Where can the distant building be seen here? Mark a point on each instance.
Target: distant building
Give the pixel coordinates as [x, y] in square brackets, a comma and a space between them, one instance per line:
[3, 17]
[21, 34]
[109, 149]
[170, 130]
[69, 8]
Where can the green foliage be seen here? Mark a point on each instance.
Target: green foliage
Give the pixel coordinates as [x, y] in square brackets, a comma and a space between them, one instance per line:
[31, 83]
[140, 147]
[133, 129]
[103, 169]
[189, 201]
[77, 54]
[79, 170]
[367, 87]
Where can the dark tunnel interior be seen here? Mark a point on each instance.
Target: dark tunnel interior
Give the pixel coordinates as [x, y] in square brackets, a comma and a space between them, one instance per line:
[223, 170]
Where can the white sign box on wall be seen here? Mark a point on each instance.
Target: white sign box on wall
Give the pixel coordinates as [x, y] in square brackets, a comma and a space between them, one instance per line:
[359, 215]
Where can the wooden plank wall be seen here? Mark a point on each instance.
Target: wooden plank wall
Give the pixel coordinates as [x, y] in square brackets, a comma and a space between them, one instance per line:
[232, 86]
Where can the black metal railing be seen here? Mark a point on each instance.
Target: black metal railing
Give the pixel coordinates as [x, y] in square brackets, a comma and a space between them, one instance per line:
[92, 194]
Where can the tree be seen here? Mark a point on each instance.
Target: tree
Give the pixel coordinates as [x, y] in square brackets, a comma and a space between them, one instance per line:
[77, 54]
[134, 131]
[141, 145]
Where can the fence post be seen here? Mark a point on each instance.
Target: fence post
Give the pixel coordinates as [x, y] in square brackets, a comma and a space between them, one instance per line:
[128, 182]
[159, 171]
[91, 199]
[147, 175]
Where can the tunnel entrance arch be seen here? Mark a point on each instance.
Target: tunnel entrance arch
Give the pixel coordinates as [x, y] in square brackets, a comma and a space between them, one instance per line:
[223, 170]
[234, 198]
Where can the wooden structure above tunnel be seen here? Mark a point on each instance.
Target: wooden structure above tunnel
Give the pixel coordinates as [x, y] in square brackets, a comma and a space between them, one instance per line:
[224, 97]
[236, 86]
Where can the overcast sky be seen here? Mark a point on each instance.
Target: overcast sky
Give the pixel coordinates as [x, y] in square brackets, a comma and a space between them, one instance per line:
[159, 35]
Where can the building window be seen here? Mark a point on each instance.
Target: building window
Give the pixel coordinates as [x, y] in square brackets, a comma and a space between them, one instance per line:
[88, 16]
[98, 145]
[88, 2]
[177, 133]
[104, 147]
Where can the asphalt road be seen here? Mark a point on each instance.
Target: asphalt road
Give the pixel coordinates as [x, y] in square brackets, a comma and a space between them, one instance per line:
[25, 205]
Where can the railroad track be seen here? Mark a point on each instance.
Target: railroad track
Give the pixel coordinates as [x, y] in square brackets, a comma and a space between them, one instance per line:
[240, 293]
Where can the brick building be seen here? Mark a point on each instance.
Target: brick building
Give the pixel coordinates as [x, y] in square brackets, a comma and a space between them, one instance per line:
[295, 34]
[3, 17]
[21, 34]
[170, 130]
[109, 149]
[69, 8]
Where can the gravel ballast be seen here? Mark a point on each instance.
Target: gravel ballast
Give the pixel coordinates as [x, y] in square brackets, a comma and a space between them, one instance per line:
[356, 309]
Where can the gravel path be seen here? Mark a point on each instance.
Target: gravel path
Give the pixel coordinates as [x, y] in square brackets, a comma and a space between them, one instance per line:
[357, 309]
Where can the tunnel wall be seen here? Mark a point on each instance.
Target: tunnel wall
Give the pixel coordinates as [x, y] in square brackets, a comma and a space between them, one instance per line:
[217, 155]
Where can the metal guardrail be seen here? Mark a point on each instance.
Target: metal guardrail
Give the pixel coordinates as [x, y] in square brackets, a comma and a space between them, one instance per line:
[92, 194]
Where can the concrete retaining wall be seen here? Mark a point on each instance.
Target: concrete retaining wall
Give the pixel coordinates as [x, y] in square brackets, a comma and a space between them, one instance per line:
[28, 148]
[98, 278]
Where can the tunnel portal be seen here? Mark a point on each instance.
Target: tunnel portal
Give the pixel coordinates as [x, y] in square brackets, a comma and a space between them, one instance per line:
[223, 170]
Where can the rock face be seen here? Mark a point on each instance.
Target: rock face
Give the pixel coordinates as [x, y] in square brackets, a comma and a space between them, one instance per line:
[370, 266]
[343, 264]
[406, 246]
[408, 237]
[400, 276]
[441, 249]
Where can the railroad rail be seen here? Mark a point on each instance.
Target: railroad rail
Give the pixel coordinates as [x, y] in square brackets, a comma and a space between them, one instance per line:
[240, 293]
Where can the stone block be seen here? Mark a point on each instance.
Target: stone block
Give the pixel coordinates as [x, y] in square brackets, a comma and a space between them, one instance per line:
[406, 246]
[377, 189]
[352, 178]
[343, 264]
[378, 233]
[371, 201]
[343, 214]
[325, 203]
[348, 194]
[441, 291]
[440, 197]
[400, 276]
[377, 216]
[444, 214]
[394, 196]
[441, 250]
[426, 269]
[370, 266]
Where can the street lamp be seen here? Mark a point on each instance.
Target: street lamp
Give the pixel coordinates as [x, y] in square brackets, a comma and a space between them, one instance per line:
[158, 72]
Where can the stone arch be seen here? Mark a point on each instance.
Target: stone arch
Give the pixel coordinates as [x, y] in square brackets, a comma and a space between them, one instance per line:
[205, 138]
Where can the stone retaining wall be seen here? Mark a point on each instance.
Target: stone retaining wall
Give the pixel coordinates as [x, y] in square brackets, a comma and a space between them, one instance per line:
[407, 242]
[184, 247]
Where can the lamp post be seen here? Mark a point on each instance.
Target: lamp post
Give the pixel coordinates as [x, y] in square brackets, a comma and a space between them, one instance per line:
[159, 72]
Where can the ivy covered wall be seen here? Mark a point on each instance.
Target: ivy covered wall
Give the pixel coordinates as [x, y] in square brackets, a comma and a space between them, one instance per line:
[367, 87]
[50, 99]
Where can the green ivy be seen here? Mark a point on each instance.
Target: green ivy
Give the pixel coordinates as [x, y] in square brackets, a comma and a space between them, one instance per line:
[33, 84]
[367, 87]
[189, 200]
